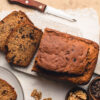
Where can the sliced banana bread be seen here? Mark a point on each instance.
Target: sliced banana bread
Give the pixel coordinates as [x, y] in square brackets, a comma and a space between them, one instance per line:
[7, 92]
[9, 23]
[22, 44]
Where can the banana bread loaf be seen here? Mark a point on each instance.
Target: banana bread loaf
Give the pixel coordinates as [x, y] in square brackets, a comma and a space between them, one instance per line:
[7, 92]
[22, 44]
[9, 23]
[66, 57]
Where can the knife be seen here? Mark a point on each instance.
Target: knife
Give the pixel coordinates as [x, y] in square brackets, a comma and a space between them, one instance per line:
[45, 9]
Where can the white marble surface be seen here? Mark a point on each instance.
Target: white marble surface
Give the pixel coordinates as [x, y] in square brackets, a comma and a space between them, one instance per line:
[87, 27]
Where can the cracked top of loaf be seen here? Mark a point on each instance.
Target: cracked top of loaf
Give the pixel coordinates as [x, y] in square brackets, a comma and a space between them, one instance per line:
[64, 53]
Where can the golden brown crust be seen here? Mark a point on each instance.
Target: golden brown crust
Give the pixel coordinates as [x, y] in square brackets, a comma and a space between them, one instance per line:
[7, 91]
[91, 61]
[75, 37]
[80, 80]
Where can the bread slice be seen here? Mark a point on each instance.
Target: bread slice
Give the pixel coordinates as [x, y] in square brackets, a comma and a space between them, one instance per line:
[7, 92]
[22, 44]
[66, 57]
[8, 24]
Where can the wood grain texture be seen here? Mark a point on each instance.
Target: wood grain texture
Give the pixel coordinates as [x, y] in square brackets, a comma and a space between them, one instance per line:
[61, 4]
[30, 3]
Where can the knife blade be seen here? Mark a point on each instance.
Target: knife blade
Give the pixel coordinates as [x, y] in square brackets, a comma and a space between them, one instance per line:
[45, 9]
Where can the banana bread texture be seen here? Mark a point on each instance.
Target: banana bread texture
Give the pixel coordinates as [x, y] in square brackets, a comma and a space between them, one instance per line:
[7, 92]
[22, 44]
[9, 23]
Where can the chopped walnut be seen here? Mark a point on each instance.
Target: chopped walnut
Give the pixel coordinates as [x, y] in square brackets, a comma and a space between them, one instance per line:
[78, 95]
[81, 95]
[37, 95]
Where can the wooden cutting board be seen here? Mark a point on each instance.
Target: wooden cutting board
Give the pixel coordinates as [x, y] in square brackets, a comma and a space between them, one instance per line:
[61, 4]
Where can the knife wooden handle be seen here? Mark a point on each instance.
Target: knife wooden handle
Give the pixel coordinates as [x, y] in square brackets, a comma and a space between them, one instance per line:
[31, 3]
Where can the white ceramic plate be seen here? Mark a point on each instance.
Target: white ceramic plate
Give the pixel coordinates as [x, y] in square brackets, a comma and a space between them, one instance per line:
[8, 76]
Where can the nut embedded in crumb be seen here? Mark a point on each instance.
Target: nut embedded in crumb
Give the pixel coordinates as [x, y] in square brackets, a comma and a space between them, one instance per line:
[47, 99]
[36, 94]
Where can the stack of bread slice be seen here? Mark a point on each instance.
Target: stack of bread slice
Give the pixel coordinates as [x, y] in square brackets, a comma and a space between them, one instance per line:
[19, 38]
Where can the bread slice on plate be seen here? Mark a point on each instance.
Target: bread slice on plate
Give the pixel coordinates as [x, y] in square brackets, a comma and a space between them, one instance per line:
[7, 92]
[8, 24]
[22, 44]
[66, 57]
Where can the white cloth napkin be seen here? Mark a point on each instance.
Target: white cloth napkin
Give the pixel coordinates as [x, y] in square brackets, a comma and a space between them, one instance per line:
[87, 26]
